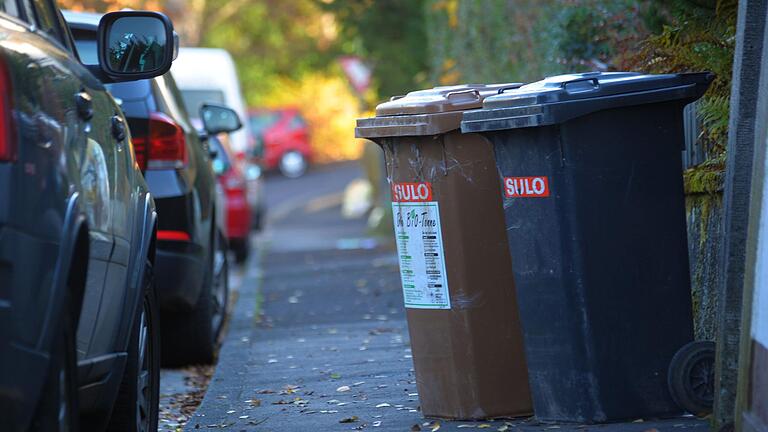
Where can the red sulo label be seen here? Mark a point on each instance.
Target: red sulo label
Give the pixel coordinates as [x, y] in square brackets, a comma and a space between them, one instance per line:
[411, 192]
[526, 187]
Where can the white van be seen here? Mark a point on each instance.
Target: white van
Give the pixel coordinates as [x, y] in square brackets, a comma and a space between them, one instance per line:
[209, 75]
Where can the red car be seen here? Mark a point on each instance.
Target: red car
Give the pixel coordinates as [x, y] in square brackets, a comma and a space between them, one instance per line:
[285, 138]
[238, 213]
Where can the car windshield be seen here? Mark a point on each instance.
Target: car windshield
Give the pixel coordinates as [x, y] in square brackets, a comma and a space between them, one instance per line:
[262, 121]
[194, 99]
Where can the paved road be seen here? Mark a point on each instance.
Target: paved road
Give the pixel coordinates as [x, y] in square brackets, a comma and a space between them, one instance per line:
[318, 340]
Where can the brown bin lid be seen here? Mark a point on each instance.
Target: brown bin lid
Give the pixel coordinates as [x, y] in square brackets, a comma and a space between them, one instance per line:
[426, 112]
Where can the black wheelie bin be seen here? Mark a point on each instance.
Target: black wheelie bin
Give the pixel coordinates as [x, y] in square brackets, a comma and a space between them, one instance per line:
[591, 178]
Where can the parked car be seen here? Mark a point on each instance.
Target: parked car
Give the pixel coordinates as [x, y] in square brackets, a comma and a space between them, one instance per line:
[284, 137]
[190, 272]
[232, 180]
[78, 318]
[208, 75]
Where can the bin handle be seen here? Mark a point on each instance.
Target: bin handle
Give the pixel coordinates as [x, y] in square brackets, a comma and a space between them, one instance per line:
[595, 82]
[394, 98]
[460, 92]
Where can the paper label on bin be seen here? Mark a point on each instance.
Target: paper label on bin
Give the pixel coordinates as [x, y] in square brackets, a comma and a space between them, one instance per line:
[526, 187]
[420, 252]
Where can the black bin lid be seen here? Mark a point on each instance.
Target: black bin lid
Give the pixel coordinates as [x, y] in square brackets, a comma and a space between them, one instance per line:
[565, 97]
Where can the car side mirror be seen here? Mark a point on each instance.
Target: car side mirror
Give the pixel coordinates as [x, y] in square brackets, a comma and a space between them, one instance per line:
[136, 45]
[219, 119]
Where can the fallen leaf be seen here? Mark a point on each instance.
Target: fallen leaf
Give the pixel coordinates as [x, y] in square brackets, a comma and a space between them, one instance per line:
[348, 419]
[504, 428]
[377, 423]
[383, 405]
[335, 376]
[483, 426]
[243, 417]
[343, 389]
[435, 426]
[230, 411]
[465, 426]
[638, 421]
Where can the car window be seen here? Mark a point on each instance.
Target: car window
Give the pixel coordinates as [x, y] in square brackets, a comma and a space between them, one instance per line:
[86, 47]
[194, 99]
[10, 7]
[47, 19]
[262, 121]
[297, 123]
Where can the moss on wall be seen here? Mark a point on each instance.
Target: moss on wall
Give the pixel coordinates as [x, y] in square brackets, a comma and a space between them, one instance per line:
[704, 217]
[706, 178]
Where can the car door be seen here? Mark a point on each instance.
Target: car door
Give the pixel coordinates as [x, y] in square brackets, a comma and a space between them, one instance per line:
[39, 98]
[93, 109]
[108, 138]
[59, 110]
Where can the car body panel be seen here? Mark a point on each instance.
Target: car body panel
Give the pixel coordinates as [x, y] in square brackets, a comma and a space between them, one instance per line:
[233, 184]
[72, 184]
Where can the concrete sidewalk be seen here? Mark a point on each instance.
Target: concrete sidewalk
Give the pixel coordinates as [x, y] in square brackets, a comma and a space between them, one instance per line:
[318, 341]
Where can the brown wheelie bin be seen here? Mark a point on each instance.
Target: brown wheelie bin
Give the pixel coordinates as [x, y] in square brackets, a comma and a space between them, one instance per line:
[455, 265]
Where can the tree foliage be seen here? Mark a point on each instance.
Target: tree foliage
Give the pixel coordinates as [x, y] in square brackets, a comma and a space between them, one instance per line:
[487, 40]
[271, 39]
[389, 35]
[699, 35]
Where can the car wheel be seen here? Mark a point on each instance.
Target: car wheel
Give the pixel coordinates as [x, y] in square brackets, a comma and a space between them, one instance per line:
[137, 405]
[293, 164]
[58, 409]
[192, 337]
[220, 287]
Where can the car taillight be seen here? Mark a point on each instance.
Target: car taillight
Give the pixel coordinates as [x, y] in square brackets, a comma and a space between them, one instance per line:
[7, 137]
[173, 235]
[164, 146]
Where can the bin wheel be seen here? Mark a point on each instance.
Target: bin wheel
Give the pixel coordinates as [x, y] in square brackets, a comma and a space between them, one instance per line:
[691, 377]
